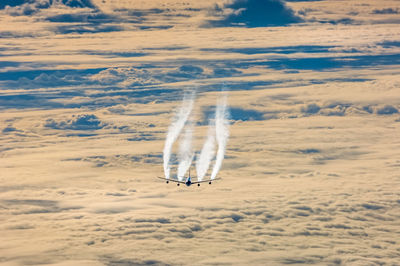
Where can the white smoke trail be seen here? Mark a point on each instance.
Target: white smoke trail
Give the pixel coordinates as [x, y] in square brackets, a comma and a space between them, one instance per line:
[221, 132]
[175, 129]
[185, 152]
[207, 152]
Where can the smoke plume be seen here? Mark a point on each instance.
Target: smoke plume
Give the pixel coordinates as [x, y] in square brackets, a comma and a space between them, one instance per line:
[218, 134]
[175, 129]
[222, 133]
[185, 152]
[207, 152]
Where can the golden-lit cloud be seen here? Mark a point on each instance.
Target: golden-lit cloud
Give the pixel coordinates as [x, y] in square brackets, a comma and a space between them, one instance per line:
[88, 91]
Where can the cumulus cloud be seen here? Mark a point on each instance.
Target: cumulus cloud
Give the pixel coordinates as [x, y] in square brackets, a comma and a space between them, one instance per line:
[131, 76]
[47, 3]
[76, 3]
[124, 76]
[254, 13]
[29, 7]
[44, 78]
[26, 9]
[81, 122]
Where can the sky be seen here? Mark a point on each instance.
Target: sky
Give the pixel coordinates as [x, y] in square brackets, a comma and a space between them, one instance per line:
[89, 89]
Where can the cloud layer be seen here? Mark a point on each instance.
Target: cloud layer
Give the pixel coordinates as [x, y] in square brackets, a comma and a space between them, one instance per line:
[311, 171]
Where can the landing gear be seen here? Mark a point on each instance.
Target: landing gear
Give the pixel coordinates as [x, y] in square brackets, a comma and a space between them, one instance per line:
[178, 184]
[198, 185]
[167, 181]
[209, 182]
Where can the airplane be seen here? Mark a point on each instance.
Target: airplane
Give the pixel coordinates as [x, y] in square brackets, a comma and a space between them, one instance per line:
[188, 181]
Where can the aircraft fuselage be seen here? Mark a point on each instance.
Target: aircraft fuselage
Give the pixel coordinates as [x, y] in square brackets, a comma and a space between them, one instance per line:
[188, 181]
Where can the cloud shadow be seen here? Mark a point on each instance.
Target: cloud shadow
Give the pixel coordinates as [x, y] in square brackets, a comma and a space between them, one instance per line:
[254, 13]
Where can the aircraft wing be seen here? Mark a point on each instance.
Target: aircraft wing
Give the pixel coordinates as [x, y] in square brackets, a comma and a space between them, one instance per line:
[203, 181]
[171, 180]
